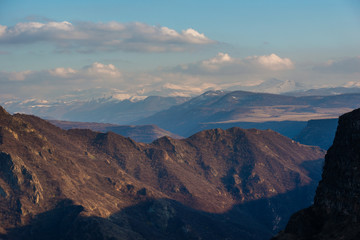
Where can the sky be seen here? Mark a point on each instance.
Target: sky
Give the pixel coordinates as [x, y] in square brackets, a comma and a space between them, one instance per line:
[56, 49]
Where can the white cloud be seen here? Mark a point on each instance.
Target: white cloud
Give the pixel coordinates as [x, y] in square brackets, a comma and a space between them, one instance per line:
[169, 32]
[272, 62]
[91, 72]
[215, 63]
[102, 70]
[62, 72]
[30, 32]
[58, 81]
[112, 36]
[193, 36]
[268, 73]
[224, 64]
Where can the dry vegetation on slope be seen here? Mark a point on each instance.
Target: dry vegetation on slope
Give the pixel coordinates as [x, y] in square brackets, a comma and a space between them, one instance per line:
[80, 184]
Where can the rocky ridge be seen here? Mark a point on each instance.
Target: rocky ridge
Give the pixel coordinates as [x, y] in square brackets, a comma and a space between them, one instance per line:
[80, 184]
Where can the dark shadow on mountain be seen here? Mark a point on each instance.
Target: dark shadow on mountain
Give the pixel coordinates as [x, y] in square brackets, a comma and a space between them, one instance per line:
[53, 224]
[168, 219]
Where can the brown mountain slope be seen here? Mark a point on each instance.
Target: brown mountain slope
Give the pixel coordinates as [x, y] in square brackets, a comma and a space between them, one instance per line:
[216, 184]
[335, 212]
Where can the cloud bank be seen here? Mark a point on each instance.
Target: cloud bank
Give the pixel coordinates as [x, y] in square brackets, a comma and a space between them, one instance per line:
[219, 72]
[266, 73]
[224, 64]
[112, 36]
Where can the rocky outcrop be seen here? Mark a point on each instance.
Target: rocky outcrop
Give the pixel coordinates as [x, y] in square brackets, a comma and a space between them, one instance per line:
[336, 209]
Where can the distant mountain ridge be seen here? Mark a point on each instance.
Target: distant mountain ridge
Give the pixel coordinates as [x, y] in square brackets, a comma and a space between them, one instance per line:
[128, 109]
[287, 115]
[216, 108]
[80, 184]
[139, 133]
[102, 110]
[324, 91]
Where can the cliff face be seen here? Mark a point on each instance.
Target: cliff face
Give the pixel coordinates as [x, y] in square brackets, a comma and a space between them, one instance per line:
[217, 184]
[336, 209]
[319, 132]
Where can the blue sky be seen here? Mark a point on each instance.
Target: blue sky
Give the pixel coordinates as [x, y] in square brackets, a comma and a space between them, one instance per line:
[176, 47]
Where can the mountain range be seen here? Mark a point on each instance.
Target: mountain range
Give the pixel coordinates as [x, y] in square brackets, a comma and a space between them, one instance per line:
[299, 106]
[145, 119]
[101, 110]
[216, 184]
[324, 91]
[219, 109]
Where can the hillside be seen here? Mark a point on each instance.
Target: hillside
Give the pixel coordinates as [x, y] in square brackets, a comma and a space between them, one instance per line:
[80, 184]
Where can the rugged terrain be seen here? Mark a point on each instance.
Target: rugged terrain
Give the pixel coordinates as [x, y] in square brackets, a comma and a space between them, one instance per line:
[216, 184]
[335, 212]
